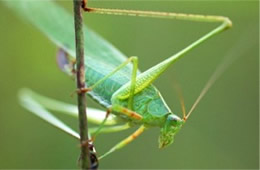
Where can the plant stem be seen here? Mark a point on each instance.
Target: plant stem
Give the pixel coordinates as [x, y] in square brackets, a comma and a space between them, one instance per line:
[83, 127]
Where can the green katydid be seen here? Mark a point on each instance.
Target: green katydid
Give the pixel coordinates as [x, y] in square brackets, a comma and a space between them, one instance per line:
[118, 86]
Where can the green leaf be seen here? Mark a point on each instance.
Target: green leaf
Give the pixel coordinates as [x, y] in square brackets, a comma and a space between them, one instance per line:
[58, 25]
[94, 115]
[32, 105]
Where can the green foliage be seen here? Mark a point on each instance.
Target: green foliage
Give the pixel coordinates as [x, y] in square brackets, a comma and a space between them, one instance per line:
[56, 23]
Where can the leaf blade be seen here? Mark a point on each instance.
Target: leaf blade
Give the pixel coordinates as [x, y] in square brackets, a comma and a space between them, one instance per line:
[94, 115]
[58, 25]
[33, 106]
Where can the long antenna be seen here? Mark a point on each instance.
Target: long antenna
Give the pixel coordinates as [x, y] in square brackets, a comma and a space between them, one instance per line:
[237, 51]
[179, 92]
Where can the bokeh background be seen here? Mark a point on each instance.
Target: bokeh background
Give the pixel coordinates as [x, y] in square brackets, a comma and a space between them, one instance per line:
[223, 131]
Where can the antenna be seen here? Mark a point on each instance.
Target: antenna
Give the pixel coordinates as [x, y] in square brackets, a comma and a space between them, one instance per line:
[230, 57]
[179, 92]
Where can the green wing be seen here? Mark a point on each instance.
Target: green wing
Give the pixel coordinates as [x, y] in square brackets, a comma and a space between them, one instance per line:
[58, 25]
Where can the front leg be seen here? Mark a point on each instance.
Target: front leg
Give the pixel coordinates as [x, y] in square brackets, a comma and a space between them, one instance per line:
[125, 142]
[125, 111]
[121, 110]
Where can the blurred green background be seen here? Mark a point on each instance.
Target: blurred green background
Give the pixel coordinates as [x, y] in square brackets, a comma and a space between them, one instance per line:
[223, 131]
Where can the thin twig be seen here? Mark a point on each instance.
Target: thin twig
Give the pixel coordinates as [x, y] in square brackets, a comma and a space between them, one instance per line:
[83, 127]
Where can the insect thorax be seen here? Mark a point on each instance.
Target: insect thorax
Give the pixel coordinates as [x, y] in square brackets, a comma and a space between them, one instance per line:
[148, 103]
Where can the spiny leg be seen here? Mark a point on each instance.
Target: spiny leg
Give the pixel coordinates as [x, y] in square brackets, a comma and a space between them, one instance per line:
[121, 110]
[146, 78]
[133, 81]
[125, 142]
[125, 111]
[94, 135]
[110, 129]
[155, 14]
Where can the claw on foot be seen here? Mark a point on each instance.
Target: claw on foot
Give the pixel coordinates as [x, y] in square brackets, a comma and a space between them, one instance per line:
[84, 6]
[83, 90]
[87, 142]
[80, 91]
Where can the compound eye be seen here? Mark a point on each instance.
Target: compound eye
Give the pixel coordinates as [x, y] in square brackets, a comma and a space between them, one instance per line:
[173, 119]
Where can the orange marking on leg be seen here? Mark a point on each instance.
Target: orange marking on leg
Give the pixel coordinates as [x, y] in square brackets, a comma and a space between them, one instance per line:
[132, 114]
[134, 136]
[136, 116]
[129, 113]
[124, 110]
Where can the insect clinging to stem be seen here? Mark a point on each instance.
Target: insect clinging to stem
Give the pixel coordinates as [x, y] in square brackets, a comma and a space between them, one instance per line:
[113, 80]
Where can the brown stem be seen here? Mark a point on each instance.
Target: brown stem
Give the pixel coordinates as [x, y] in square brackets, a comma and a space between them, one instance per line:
[80, 70]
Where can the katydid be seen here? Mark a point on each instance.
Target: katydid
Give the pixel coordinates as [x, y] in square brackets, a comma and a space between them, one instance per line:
[112, 81]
